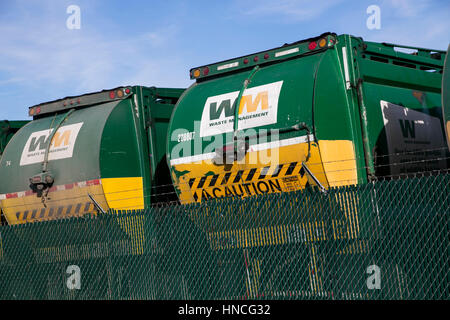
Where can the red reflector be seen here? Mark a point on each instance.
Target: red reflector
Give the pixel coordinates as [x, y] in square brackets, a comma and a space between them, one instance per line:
[266, 56]
[127, 91]
[245, 61]
[112, 95]
[205, 71]
[256, 59]
[312, 45]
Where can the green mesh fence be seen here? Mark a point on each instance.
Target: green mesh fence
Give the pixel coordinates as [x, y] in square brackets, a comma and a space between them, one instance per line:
[384, 240]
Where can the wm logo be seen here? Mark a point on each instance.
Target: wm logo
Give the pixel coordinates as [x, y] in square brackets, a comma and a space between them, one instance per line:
[59, 139]
[61, 145]
[258, 107]
[247, 101]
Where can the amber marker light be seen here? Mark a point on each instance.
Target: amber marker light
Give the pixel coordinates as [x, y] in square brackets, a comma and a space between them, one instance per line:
[322, 43]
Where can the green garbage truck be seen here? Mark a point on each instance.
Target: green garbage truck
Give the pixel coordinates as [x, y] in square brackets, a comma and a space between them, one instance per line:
[88, 153]
[327, 111]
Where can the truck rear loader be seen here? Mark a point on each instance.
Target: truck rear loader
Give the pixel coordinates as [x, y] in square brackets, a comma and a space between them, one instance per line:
[88, 153]
[325, 112]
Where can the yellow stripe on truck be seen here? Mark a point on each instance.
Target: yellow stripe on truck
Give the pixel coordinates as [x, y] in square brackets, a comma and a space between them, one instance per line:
[333, 163]
[72, 202]
[339, 162]
[124, 193]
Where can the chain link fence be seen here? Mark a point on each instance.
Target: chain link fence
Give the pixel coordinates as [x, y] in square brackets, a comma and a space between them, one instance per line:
[382, 240]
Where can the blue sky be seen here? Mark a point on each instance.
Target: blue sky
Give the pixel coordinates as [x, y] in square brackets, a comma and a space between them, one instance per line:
[155, 43]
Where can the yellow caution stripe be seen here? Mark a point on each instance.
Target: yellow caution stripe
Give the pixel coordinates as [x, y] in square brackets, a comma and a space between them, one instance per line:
[279, 178]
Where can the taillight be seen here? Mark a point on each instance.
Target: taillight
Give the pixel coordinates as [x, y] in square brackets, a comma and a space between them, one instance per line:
[112, 95]
[205, 71]
[312, 45]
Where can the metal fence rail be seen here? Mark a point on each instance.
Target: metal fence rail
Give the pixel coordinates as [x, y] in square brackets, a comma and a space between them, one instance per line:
[383, 240]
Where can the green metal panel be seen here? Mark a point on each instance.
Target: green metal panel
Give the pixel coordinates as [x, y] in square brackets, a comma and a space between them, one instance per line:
[343, 92]
[119, 144]
[446, 96]
[335, 109]
[7, 130]
[292, 108]
[154, 107]
[399, 97]
[102, 138]
[299, 245]
[22, 158]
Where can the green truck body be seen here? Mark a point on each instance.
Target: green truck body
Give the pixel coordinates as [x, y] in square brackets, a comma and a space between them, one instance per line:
[98, 148]
[326, 111]
[446, 97]
[332, 110]
[7, 130]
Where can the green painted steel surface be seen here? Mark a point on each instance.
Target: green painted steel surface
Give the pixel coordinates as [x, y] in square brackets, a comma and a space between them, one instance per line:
[399, 98]
[7, 130]
[119, 144]
[299, 245]
[98, 140]
[385, 102]
[294, 101]
[25, 150]
[446, 96]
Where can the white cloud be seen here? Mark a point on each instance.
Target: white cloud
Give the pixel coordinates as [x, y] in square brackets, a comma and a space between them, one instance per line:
[40, 52]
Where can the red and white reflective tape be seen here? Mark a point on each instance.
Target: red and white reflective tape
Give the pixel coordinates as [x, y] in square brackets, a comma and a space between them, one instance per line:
[62, 187]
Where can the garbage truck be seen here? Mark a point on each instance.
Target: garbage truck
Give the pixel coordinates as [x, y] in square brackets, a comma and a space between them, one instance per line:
[87, 154]
[322, 112]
